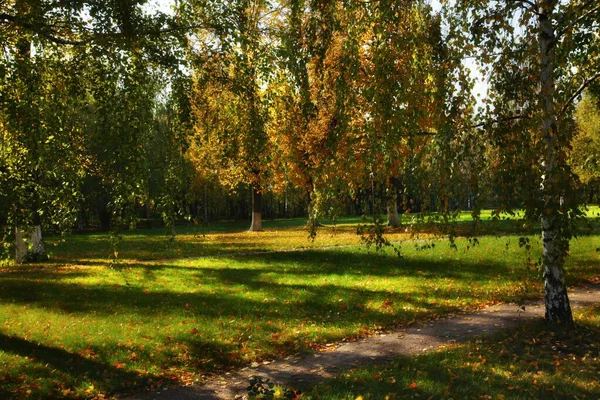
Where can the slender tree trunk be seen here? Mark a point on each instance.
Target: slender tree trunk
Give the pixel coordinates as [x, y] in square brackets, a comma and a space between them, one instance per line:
[312, 223]
[392, 213]
[28, 239]
[36, 241]
[256, 224]
[20, 246]
[205, 204]
[393, 219]
[558, 309]
[148, 219]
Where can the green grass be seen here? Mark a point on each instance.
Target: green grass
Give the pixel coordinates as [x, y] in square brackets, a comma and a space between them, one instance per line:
[532, 362]
[227, 237]
[80, 326]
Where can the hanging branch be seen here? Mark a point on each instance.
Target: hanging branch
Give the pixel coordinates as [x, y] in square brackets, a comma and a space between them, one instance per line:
[499, 120]
[45, 30]
[581, 88]
[528, 5]
[579, 19]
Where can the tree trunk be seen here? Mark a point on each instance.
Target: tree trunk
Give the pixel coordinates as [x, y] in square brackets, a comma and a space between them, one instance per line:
[148, 215]
[28, 240]
[205, 204]
[393, 219]
[28, 244]
[256, 224]
[312, 223]
[392, 214]
[556, 246]
[20, 246]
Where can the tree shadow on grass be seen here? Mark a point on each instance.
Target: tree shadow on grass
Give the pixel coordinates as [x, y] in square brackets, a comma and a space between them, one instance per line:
[62, 368]
[251, 295]
[324, 272]
[144, 246]
[335, 261]
[283, 318]
[228, 302]
[311, 283]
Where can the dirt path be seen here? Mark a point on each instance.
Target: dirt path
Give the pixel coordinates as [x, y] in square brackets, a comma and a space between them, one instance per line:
[305, 371]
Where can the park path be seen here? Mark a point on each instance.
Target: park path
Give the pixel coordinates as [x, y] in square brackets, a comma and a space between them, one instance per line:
[304, 371]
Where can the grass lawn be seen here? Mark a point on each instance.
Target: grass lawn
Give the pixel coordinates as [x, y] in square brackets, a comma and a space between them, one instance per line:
[532, 362]
[173, 312]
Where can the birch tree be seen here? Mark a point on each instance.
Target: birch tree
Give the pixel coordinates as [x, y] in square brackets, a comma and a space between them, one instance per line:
[231, 53]
[403, 88]
[46, 49]
[552, 49]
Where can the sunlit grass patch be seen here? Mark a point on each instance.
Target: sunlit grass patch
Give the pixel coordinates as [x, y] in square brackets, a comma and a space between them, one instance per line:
[229, 237]
[146, 245]
[533, 362]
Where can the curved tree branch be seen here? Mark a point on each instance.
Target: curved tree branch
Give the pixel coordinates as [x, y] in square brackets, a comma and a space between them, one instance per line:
[45, 30]
[499, 120]
[533, 7]
[576, 94]
[579, 19]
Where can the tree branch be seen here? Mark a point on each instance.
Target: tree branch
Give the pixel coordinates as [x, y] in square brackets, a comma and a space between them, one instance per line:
[178, 29]
[59, 40]
[581, 88]
[45, 31]
[497, 121]
[581, 18]
[480, 125]
[533, 7]
[420, 133]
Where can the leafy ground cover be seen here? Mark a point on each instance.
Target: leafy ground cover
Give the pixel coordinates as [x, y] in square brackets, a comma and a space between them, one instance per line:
[532, 362]
[82, 326]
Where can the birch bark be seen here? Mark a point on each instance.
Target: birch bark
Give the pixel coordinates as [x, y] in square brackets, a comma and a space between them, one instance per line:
[555, 245]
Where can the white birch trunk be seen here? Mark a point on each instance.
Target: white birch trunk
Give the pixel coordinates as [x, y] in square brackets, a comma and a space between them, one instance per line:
[29, 244]
[37, 245]
[558, 309]
[256, 225]
[393, 218]
[20, 246]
